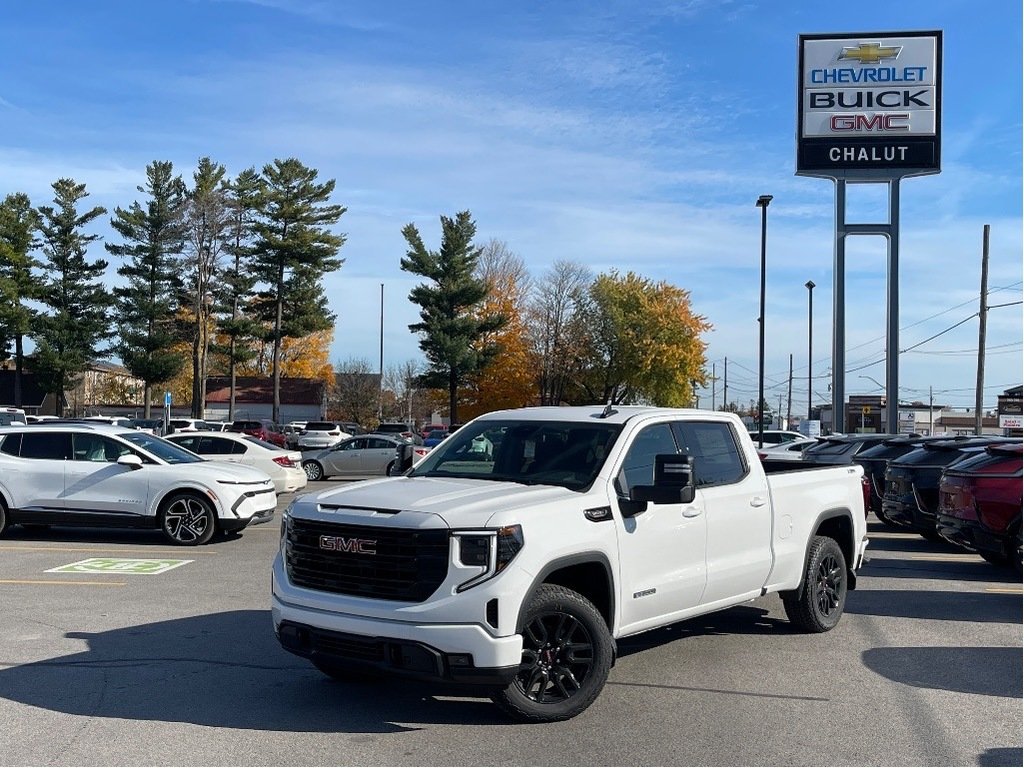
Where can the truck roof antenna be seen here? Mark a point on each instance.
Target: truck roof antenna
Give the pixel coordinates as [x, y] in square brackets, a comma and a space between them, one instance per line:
[608, 410]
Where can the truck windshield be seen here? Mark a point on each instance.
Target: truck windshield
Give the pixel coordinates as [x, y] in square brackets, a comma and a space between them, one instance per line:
[568, 454]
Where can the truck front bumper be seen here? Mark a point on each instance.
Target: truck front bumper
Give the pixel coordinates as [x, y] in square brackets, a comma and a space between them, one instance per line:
[462, 652]
[393, 656]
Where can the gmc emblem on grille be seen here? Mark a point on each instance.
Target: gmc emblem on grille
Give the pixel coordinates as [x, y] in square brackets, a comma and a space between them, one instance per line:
[341, 544]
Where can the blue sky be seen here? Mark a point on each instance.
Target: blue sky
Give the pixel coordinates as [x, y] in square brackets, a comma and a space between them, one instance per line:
[634, 136]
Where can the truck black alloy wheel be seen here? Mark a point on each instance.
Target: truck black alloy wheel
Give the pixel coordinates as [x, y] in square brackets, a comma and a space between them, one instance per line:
[188, 520]
[818, 605]
[567, 652]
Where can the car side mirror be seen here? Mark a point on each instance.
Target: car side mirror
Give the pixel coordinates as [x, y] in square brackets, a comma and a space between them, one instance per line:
[673, 481]
[130, 460]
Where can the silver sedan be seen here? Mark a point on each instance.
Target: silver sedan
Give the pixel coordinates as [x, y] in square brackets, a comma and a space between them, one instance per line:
[357, 457]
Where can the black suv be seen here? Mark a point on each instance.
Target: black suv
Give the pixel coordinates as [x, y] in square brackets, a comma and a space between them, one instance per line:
[875, 461]
[842, 449]
[911, 498]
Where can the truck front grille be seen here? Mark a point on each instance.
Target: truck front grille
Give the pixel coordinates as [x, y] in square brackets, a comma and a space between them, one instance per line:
[366, 561]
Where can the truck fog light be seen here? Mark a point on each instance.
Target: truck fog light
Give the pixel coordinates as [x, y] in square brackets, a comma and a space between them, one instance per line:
[460, 660]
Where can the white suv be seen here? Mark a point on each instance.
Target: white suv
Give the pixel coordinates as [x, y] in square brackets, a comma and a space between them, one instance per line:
[100, 475]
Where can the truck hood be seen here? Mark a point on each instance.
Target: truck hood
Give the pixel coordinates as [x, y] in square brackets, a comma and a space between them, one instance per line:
[458, 502]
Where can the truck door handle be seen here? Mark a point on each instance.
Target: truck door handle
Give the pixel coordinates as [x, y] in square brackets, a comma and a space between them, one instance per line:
[758, 501]
[692, 511]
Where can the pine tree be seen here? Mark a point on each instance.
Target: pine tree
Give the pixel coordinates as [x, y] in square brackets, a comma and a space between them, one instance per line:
[453, 333]
[68, 335]
[293, 251]
[207, 224]
[234, 294]
[145, 306]
[18, 224]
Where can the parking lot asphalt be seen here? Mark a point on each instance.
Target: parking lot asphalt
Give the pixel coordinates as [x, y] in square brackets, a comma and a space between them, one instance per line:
[179, 666]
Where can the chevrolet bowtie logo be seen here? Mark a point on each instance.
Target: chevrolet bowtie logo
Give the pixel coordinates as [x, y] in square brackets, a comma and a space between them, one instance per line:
[871, 53]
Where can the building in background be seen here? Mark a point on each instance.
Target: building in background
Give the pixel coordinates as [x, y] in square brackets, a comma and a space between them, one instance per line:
[301, 399]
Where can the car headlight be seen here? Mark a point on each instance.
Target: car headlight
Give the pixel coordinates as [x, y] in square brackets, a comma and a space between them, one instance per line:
[489, 550]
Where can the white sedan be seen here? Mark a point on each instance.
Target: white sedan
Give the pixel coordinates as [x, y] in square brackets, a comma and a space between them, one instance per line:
[284, 467]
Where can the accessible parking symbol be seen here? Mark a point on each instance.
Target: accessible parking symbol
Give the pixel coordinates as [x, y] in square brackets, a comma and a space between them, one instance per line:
[120, 565]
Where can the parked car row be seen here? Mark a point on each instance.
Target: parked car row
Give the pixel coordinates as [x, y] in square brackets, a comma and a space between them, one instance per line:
[965, 490]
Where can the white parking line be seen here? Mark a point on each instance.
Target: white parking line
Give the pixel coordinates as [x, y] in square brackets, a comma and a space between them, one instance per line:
[65, 583]
[118, 551]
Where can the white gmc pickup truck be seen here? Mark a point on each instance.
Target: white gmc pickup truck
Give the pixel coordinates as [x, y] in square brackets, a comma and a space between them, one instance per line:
[518, 551]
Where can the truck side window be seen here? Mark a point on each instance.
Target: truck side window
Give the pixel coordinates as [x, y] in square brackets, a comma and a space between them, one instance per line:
[638, 465]
[716, 457]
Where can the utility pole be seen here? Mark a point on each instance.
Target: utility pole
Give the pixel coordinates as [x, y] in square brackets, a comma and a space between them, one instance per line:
[931, 428]
[725, 384]
[982, 327]
[713, 380]
[789, 400]
[380, 381]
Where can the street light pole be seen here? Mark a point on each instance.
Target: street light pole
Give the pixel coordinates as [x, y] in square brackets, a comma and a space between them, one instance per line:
[762, 203]
[810, 316]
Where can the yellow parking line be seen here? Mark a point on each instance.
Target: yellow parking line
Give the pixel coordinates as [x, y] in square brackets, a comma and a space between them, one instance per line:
[1006, 590]
[119, 551]
[67, 583]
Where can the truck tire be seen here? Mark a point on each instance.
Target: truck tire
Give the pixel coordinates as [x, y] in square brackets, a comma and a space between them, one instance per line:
[567, 653]
[818, 604]
[4, 522]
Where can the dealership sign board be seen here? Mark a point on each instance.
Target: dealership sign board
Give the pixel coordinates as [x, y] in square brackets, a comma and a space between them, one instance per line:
[869, 104]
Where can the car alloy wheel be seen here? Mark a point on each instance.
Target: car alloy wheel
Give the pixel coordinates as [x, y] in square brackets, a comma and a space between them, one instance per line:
[313, 470]
[188, 520]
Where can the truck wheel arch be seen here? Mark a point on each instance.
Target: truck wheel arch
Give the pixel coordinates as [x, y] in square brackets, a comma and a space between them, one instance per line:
[836, 524]
[588, 573]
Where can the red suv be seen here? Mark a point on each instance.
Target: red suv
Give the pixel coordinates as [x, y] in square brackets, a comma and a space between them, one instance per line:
[264, 429]
[980, 504]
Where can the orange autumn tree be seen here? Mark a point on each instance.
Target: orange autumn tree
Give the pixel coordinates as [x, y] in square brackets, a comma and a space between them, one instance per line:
[302, 357]
[508, 381]
[180, 386]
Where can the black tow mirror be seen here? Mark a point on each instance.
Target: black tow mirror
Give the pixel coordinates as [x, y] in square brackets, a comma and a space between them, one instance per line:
[673, 481]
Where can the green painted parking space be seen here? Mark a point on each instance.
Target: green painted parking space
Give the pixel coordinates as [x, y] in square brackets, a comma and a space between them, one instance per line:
[121, 565]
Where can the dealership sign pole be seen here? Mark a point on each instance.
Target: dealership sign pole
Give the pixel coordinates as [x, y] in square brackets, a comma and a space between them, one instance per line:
[869, 113]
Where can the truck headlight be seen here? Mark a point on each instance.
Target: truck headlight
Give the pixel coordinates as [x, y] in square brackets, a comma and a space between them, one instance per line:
[284, 521]
[489, 550]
